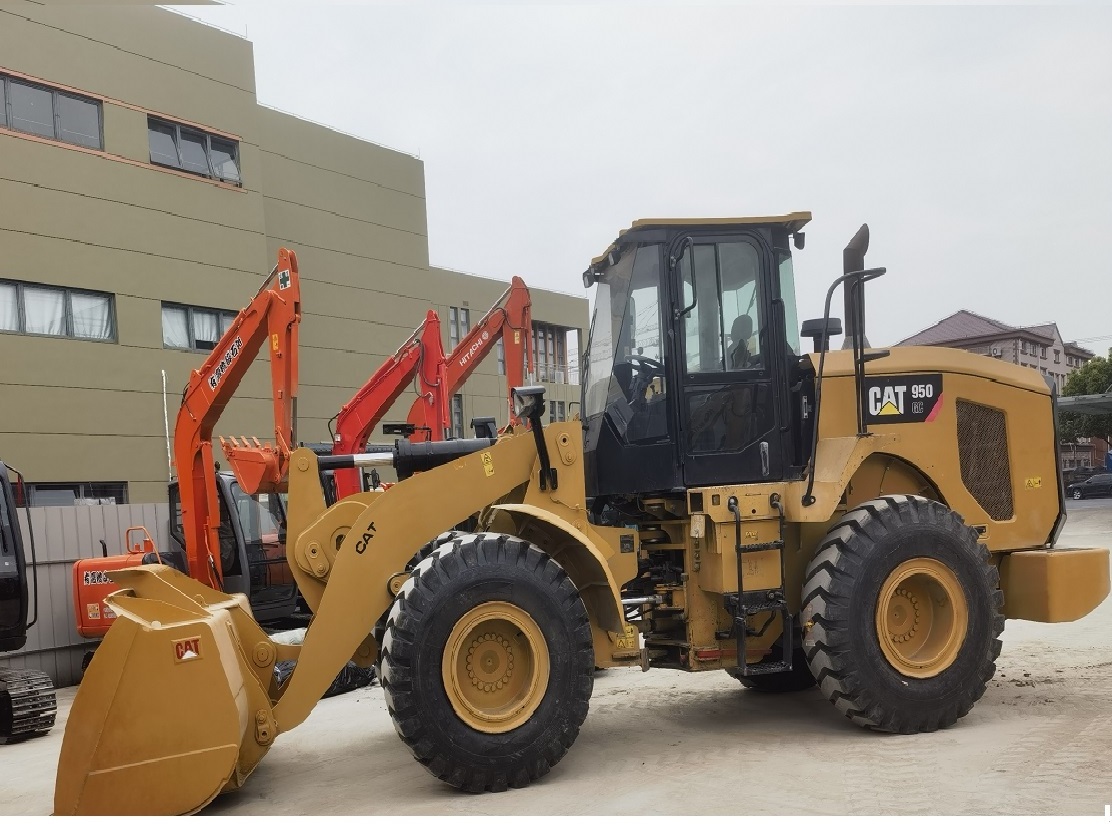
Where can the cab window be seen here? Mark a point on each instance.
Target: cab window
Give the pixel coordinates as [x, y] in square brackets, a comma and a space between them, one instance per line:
[722, 329]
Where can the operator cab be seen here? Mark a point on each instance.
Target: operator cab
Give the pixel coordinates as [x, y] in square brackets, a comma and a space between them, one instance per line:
[252, 547]
[694, 357]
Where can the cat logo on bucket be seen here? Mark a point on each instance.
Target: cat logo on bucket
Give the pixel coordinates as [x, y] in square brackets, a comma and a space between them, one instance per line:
[902, 398]
[187, 649]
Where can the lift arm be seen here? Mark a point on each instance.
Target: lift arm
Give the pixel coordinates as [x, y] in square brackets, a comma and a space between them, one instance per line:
[273, 314]
[421, 356]
[509, 320]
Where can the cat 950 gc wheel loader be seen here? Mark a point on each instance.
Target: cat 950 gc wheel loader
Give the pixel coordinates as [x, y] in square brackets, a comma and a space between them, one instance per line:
[863, 518]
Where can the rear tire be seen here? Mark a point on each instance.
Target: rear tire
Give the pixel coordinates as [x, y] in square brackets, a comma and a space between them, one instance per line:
[469, 616]
[799, 677]
[919, 663]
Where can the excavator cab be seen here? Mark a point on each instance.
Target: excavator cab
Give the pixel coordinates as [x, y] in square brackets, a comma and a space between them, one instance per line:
[252, 547]
[13, 571]
[693, 358]
[28, 705]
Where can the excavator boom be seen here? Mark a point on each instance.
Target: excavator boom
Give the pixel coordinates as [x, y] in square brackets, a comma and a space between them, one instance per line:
[509, 320]
[438, 377]
[421, 356]
[272, 317]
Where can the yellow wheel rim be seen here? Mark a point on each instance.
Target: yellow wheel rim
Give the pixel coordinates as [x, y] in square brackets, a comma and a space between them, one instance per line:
[921, 617]
[495, 667]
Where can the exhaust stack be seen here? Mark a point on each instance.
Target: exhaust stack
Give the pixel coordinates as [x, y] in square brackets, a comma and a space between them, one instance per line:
[853, 260]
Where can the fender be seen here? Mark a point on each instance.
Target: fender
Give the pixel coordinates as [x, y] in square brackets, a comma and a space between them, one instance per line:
[588, 567]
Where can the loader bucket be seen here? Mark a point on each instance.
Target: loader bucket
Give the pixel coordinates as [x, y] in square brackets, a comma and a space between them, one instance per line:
[170, 711]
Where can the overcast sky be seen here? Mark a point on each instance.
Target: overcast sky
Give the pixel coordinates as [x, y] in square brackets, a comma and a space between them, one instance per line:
[975, 142]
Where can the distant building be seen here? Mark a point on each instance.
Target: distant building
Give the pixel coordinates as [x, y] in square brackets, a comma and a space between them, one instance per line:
[1038, 347]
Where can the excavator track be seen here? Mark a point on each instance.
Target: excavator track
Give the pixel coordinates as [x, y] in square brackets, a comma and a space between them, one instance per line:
[28, 704]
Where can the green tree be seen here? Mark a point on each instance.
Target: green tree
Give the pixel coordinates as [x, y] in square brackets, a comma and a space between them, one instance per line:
[1094, 378]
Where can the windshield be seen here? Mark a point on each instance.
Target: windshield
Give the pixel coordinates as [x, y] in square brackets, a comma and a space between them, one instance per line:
[258, 516]
[626, 323]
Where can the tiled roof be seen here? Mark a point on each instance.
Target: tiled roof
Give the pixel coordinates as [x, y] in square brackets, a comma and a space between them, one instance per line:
[961, 325]
[964, 325]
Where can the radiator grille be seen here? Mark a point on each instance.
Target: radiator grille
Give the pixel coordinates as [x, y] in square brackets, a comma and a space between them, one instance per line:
[983, 455]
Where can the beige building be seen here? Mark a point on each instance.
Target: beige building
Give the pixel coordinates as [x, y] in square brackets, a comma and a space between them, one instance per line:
[144, 193]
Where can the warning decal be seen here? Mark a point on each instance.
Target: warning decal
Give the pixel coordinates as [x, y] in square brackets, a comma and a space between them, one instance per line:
[902, 398]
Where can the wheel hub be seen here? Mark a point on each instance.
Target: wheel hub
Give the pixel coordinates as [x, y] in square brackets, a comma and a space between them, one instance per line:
[921, 617]
[490, 662]
[495, 667]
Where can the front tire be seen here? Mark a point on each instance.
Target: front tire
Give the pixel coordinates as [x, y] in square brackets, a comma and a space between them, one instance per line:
[1078, 495]
[902, 616]
[487, 663]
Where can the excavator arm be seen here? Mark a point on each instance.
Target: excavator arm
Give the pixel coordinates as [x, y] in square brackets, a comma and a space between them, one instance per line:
[509, 320]
[438, 376]
[272, 317]
[421, 356]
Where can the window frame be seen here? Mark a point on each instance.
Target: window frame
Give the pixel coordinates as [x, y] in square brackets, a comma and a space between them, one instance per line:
[208, 138]
[83, 490]
[453, 328]
[67, 310]
[189, 310]
[457, 415]
[550, 352]
[6, 109]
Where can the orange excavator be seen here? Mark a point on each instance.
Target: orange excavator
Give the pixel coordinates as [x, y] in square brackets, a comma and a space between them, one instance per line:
[227, 531]
[422, 358]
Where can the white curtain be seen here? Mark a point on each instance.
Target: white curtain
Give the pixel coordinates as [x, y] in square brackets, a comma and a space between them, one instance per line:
[92, 316]
[45, 310]
[175, 328]
[206, 329]
[9, 309]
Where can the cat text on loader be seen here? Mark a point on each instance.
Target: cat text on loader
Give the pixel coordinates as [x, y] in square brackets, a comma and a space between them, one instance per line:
[864, 518]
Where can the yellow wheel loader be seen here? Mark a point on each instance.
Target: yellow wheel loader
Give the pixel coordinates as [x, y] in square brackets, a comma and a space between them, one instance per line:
[859, 518]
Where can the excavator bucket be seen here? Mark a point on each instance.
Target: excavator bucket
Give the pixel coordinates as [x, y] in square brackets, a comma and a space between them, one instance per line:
[172, 709]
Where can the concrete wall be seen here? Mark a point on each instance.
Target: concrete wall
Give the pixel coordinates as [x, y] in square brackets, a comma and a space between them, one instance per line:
[63, 535]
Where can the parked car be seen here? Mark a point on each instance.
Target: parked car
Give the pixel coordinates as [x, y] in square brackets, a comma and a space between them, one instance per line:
[1092, 487]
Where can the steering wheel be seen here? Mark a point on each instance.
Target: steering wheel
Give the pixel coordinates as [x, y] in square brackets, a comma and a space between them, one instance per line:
[647, 370]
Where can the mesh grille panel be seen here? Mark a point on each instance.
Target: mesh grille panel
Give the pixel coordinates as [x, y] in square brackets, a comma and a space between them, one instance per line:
[983, 455]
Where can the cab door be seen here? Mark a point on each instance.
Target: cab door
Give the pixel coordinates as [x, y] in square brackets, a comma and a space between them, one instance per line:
[729, 361]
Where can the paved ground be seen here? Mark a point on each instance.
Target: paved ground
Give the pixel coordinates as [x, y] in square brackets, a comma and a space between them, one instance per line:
[664, 742]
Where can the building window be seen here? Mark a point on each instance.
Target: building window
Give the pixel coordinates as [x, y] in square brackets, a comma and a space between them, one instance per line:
[69, 494]
[34, 309]
[193, 327]
[459, 324]
[550, 353]
[40, 110]
[194, 151]
[501, 347]
[556, 411]
[1057, 356]
[1042, 351]
[457, 416]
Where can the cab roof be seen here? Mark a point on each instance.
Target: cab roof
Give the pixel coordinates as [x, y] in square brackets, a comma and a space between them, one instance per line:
[793, 222]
